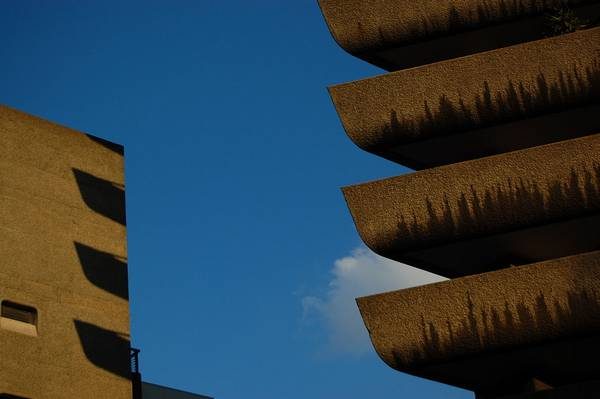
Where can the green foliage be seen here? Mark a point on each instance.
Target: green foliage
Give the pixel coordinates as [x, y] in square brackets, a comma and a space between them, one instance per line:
[561, 20]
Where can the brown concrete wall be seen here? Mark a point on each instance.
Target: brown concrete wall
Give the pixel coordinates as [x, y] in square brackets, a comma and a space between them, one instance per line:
[361, 26]
[484, 38]
[448, 330]
[63, 251]
[517, 129]
[466, 94]
[483, 197]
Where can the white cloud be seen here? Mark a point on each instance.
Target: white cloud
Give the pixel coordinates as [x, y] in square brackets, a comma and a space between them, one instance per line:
[362, 273]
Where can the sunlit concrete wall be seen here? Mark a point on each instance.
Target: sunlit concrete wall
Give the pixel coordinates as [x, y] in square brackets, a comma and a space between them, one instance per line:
[490, 100]
[399, 34]
[62, 252]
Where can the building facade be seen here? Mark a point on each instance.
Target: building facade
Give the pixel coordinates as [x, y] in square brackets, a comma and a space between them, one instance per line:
[64, 321]
[64, 327]
[494, 103]
[153, 391]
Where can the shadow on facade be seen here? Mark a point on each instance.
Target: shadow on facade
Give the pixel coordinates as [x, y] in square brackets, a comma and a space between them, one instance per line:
[104, 270]
[114, 147]
[104, 348]
[570, 89]
[487, 13]
[102, 196]
[502, 208]
[487, 328]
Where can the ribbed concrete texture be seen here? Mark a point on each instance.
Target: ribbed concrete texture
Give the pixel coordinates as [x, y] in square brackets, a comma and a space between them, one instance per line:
[494, 331]
[487, 213]
[508, 99]
[396, 34]
[63, 252]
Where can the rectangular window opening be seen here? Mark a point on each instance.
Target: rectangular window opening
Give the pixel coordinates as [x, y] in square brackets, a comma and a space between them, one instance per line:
[18, 318]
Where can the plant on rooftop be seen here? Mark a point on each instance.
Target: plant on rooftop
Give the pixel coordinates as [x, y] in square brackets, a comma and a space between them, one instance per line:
[561, 20]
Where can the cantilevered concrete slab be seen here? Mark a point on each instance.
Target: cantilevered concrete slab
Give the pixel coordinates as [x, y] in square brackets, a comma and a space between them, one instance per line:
[493, 332]
[581, 390]
[397, 34]
[466, 108]
[485, 214]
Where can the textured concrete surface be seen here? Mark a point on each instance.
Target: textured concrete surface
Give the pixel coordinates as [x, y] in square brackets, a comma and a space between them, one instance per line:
[537, 315]
[63, 251]
[433, 218]
[479, 105]
[504, 122]
[378, 30]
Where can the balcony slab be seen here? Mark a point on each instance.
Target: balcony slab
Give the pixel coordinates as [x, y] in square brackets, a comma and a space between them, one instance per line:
[398, 34]
[489, 103]
[486, 214]
[494, 331]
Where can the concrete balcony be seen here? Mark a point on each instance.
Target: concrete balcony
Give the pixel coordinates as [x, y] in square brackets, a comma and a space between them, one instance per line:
[503, 100]
[481, 215]
[581, 390]
[493, 332]
[397, 34]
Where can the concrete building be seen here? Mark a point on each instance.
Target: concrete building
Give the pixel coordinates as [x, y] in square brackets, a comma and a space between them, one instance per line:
[64, 322]
[499, 120]
[153, 391]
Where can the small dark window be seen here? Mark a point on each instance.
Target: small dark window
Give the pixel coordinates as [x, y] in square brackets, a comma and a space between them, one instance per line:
[19, 318]
[18, 312]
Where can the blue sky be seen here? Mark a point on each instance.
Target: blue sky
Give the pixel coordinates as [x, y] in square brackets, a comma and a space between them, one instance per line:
[243, 258]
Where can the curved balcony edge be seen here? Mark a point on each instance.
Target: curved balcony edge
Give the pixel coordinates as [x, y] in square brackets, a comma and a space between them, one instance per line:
[402, 33]
[480, 332]
[488, 213]
[433, 115]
